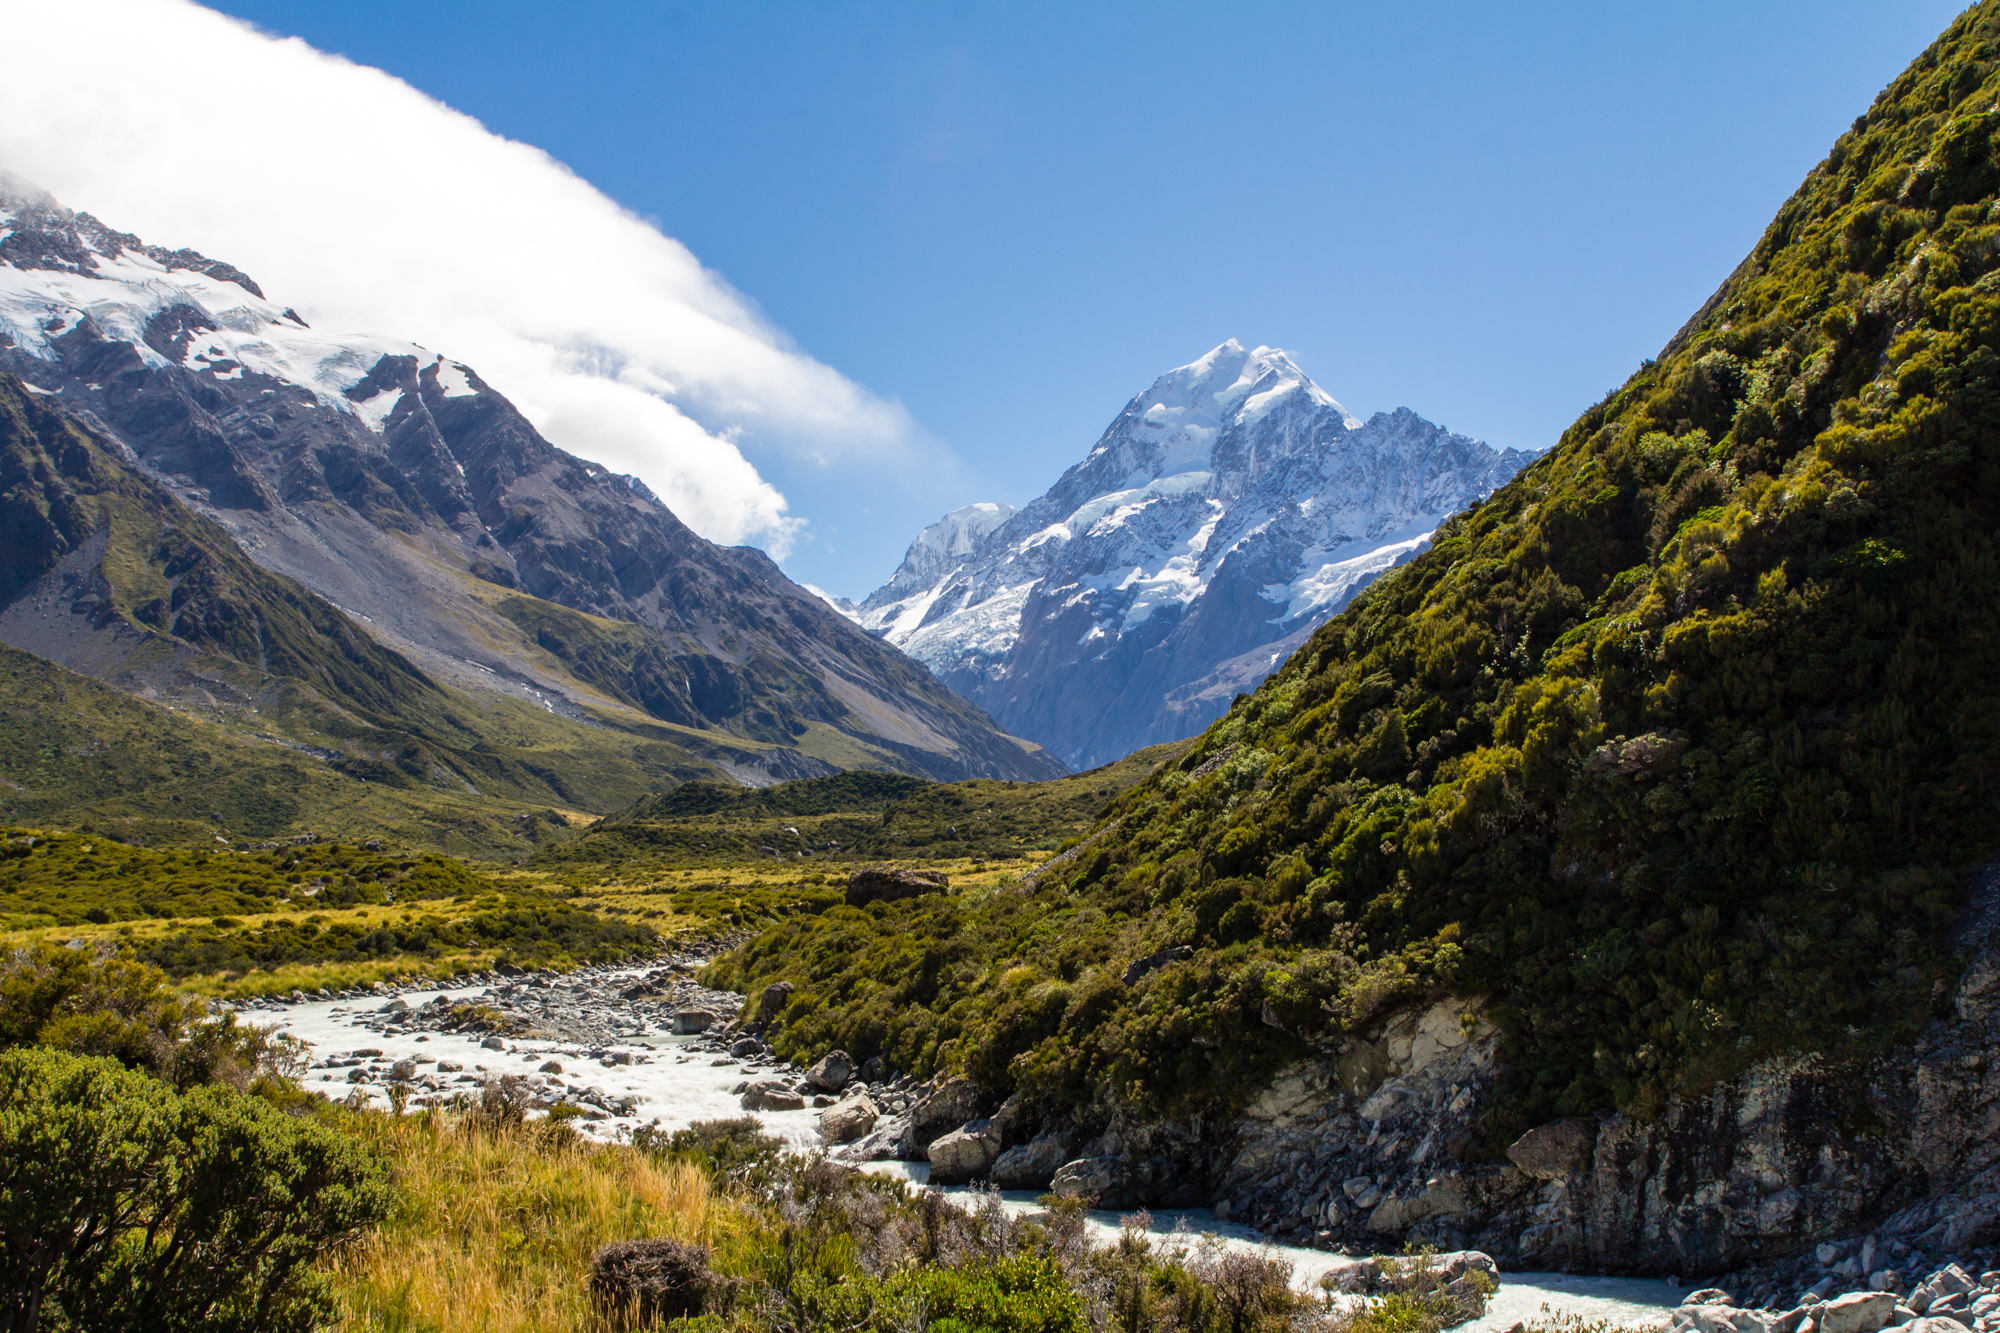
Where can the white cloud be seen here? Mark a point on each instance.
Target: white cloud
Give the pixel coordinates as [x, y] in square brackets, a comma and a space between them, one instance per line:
[373, 208]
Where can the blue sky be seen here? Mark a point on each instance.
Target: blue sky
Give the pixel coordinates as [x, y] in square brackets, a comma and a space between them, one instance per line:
[1012, 218]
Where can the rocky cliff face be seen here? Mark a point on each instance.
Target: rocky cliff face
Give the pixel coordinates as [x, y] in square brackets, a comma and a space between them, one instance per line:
[400, 486]
[1788, 1171]
[1799, 1173]
[1227, 511]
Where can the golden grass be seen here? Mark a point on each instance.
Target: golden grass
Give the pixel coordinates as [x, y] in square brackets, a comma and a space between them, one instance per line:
[495, 1227]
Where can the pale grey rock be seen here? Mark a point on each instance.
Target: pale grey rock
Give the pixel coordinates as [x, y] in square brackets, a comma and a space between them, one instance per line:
[771, 1094]
[1031, 1165]
[849, 1120]
[944, 1109]
[1552, 1152]
[687, 1022]
[1856, 1312]
[965, 1154]
[1716, 1319]
[832, 1072]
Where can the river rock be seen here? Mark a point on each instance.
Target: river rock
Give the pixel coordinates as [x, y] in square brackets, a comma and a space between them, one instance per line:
[848, 1120]
[1031, 1165]
[776, 996]
[953, 1103]
[1856, 1312]
[885, 884]
[1113, 1182]
[1715, 1319]
[690, 1021]
[771, 1094]
[831, 1072]
[965, 1154]
[1933, 1323]
[1554, 1151]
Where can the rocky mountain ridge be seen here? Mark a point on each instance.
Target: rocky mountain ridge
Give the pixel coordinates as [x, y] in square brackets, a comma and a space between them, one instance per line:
[1228, 510]
[399, 486]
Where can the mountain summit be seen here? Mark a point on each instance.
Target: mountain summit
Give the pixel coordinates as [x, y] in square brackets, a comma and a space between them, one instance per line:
[400, 487]
[1228, 510]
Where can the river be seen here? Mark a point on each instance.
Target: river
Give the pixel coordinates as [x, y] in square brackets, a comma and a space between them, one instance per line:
[672, 1087]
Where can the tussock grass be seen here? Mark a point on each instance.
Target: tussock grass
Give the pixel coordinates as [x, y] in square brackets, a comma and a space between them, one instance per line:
[496, 1224]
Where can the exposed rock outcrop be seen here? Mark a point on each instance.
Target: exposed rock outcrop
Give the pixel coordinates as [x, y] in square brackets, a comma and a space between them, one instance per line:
[887, 884]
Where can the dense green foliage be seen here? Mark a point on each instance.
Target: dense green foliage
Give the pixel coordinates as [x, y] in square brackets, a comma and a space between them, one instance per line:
[525, 929]
[91, 1004]
[1678, 748]
[56, 878]
[835, 1248]
[124, 1204]
[866, 816]
[297, 895]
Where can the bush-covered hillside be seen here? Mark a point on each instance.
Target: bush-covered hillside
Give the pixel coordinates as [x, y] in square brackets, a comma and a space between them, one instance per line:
[1678, 748]
[855, 815]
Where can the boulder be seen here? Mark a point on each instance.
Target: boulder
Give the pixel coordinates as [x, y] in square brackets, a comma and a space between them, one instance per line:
[493, 1044]
[690, 1021]
[1553, 1151]
[1932, 1324]
[1112, 1182]
[831, 1072]
[403, 1071]
[883, 884]
[953, 1103]
[1031, 1165]
[776, 996]
[964, 1155]
[771, 1094]
[1709, 1296]
[551, 1067]
[848, 1121]
[1856, 1312]
[1715, 1319]
[1153, 962]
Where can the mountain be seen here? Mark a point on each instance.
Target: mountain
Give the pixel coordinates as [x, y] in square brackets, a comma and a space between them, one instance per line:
[399, 487]
[1613, 885]
[1228, 510]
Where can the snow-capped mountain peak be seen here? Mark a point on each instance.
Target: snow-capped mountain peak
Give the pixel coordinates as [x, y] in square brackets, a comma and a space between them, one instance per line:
[1227, 510]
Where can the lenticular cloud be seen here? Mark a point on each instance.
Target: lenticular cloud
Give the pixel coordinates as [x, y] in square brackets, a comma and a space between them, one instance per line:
[372, 208]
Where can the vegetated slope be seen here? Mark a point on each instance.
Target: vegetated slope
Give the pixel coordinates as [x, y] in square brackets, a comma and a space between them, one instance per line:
[106, 571]
[1679, 748]
[1229, 509]
[866, 816]
[399, 486]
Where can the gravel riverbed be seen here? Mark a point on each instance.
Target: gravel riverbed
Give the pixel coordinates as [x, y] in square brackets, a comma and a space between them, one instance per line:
[602, 1040]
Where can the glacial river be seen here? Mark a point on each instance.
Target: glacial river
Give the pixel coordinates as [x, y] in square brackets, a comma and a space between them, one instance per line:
[675, 1086]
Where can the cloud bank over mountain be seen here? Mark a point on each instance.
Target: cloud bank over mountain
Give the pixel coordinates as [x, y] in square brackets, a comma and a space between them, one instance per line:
[381, 209]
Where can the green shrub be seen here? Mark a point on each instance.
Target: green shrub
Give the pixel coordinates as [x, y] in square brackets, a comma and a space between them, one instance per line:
[126, 1205]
